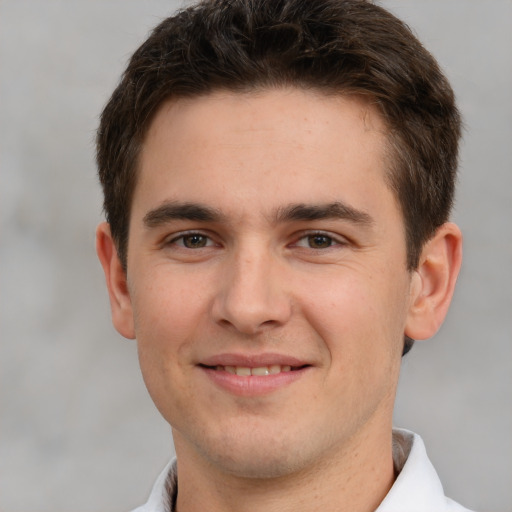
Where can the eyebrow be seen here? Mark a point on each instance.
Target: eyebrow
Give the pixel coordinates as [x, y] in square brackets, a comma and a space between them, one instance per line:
[175, 210]
[335, 210]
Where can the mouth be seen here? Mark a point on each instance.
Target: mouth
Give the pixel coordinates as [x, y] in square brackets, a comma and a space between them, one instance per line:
[253, 375]
[259, 371]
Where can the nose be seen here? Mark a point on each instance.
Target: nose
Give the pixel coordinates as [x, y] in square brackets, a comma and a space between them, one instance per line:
[253, 294]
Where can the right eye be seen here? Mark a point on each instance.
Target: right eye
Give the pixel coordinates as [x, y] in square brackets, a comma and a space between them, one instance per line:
[192, 241]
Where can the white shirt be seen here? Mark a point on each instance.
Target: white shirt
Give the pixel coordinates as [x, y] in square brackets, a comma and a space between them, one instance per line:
[416, 489]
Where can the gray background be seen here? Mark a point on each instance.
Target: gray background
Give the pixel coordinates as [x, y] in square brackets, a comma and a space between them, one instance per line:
[77, 429]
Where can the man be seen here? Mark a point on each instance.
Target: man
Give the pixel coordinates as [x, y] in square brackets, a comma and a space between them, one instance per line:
[278, 177]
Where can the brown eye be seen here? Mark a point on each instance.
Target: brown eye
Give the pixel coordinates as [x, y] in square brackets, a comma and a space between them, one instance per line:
[195, 241]
[319, 241]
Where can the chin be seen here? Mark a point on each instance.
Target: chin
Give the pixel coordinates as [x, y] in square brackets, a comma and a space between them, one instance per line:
[257, 455]
[258, 464]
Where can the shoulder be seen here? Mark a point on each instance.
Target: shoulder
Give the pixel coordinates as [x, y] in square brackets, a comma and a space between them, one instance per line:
[163, 494]
[417, 487]
[453, 506]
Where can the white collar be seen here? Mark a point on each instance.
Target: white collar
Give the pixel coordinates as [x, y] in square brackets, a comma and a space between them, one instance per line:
[417, 487]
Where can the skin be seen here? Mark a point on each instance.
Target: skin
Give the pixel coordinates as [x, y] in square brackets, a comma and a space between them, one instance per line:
[239, 272]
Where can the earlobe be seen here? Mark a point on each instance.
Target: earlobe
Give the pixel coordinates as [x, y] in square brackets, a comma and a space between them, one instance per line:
[433, 282]
[115, 276]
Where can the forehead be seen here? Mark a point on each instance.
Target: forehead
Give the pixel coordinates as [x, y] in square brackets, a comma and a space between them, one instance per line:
[296, 144]
[292, 111]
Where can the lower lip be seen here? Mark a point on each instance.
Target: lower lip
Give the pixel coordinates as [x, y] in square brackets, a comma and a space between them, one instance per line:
[253, 385]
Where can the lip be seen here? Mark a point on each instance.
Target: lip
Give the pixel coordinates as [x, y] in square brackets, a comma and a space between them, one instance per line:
[253, 385]
[252, 360]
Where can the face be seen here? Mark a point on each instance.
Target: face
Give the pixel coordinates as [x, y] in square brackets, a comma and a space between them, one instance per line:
[267, 282]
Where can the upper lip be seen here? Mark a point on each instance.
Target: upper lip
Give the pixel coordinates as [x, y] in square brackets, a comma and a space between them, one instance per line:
[252, 360]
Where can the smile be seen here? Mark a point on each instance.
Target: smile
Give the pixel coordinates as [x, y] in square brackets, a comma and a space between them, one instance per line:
[253, 380]
[245, 371]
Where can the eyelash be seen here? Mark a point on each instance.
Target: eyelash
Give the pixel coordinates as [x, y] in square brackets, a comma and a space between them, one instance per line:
[183, 236]
[333, 240]
[330, 239]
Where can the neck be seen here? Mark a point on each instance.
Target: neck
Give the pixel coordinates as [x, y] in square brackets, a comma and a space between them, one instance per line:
[353, 479]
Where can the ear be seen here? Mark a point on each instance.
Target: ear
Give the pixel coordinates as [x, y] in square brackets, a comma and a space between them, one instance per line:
[433, 282]
[115, 276]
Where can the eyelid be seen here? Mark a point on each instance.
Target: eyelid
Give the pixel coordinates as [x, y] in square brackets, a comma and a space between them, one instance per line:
[339, 240]
[180, 235]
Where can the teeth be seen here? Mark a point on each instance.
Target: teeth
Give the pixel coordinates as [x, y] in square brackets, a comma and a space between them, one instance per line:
[245, 371]
[260, 371]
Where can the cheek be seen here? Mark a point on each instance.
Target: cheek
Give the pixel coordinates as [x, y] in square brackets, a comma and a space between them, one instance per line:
[167, 315]
[359, 313]
[166, 308]
[164, 326]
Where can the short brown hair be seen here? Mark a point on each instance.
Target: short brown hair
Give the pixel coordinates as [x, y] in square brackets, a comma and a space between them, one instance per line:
[331, 46]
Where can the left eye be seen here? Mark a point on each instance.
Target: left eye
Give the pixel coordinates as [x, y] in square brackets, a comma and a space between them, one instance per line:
[193, 241]
[317, 241]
